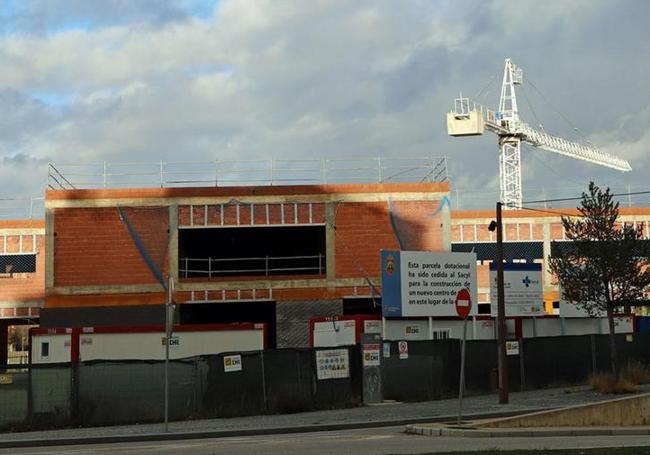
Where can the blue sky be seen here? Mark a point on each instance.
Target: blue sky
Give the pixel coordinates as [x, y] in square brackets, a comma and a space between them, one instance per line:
[58, 16]
[114, 80]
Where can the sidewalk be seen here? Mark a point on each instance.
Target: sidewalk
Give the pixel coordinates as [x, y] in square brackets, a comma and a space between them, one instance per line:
[386, 414]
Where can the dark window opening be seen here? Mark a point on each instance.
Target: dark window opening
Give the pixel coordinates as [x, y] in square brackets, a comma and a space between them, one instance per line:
[45, 349]
[361, 305]
[17, 263]
[484, 308]
[232, 312]
[251, 251]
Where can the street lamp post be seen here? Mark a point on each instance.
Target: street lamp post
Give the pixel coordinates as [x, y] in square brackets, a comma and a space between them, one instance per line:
[502, 366]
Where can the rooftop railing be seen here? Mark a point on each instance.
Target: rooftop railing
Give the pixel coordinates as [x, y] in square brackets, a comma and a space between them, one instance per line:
[22, 208]
[165, 174]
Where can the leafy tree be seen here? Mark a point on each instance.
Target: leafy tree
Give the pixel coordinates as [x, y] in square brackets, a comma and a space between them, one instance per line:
[605, 266]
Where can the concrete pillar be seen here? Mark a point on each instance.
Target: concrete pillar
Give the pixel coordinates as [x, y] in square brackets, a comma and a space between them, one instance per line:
[49, 249]
[446, 225]
[330, 240]
[547, 253]
[173, 242]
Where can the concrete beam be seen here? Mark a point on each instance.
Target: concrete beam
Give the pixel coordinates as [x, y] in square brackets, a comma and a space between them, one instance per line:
[314, 198]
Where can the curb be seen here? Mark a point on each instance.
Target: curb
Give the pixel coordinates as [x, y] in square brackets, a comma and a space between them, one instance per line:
[213, 434]
[473, 432]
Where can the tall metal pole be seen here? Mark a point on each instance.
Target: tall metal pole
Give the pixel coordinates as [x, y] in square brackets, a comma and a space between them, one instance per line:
[168, 335]
[501, 314]
[461, 382]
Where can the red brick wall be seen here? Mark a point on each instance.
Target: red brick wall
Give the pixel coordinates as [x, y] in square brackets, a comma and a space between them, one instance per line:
[23, 287]
[363, 229]
[92, 246]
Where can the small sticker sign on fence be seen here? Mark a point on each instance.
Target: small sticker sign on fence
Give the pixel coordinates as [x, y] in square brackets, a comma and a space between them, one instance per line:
[386, 350]
[512, 347]
[6, 379]
[403, 348]
[232, 363]
[174, 341]
[371, 355]
[332, 364]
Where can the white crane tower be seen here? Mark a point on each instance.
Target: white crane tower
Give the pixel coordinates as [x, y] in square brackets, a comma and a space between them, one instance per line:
[506, 124]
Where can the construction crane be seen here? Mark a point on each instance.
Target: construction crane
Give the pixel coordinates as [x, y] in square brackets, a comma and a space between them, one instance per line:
[507, 125]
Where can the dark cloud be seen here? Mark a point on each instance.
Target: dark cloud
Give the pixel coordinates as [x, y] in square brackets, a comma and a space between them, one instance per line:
[23, 115]
[425, 69]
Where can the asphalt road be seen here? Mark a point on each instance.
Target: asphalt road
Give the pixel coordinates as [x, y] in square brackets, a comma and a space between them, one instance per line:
[377, 441]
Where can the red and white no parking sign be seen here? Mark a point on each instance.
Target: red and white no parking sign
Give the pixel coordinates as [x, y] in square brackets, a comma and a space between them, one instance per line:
[463, 303]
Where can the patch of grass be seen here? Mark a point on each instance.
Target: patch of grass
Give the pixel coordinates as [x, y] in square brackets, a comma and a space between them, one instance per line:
[636, 372]
[606, 383]
[631, 375]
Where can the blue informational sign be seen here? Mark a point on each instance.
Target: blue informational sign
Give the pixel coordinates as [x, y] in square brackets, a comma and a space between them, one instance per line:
[391, 284]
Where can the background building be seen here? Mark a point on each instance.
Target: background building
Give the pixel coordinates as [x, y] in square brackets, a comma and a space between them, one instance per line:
[529, 236]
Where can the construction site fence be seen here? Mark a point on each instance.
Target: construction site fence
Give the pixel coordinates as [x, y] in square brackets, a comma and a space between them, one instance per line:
[286, 380]
[100, 393]
[431, 370]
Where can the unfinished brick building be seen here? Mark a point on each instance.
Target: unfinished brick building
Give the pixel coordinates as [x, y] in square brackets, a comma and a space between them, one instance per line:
[274, 254]
[22, 275]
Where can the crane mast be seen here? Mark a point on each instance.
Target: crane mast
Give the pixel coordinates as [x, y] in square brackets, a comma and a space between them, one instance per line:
[510, 144]
[511, 131]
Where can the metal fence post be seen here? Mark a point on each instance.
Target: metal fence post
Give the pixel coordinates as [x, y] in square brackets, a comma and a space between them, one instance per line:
[266, 405]
[209, 267]
[379, 169]
[522, 365]
[104, 174]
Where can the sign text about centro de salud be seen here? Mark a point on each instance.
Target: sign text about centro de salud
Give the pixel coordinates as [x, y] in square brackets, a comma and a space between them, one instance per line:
[522, 289]
[422, 283]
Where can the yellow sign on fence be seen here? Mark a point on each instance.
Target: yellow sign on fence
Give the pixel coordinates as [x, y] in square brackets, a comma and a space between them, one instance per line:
[6, 379]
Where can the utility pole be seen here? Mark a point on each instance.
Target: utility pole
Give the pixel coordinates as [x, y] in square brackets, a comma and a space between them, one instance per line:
[501, 313]
[169, 321]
